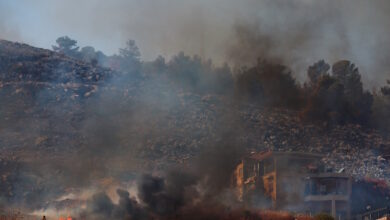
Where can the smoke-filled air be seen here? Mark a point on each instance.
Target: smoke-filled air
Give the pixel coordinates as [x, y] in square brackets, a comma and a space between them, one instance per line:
[207, 109]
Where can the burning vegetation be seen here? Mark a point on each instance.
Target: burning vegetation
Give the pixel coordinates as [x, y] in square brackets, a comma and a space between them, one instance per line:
[86, 135]
[113, 119]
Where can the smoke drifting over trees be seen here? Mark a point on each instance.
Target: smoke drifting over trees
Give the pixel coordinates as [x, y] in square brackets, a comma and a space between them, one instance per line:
[102, 110]
[337, 97]
[130, 101]
[298, 32]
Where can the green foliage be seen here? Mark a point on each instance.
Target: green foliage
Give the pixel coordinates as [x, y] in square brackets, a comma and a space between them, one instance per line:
[333, 94]
[200, 76]
[186, 69]
[88, 52]
[131, 51]
[381, 109]
[338, 97]
[270, 84]
[67, 46]
[129, 58]
[317, 71]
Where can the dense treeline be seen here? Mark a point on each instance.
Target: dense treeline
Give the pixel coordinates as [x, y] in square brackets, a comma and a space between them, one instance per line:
[332, 93]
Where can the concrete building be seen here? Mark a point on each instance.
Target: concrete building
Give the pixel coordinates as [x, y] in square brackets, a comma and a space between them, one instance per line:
[293, 181]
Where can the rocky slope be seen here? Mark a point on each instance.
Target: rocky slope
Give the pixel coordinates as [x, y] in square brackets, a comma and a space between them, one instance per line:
[63, 119]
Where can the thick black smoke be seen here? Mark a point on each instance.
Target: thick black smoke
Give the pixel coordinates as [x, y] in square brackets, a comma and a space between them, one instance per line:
[97, 124]
[100, 207]
[299, 32]
[181, 193]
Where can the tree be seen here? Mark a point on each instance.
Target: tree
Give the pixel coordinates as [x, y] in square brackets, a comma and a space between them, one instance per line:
[131, 51]
[130, 58]
[270, 84]
[358, 102]
[186, 70]
[66, 46]
[223, 79]
[156, 67]
[381, 109]
[339, 97]
[88, 54]
[317, 70]
[386, 89]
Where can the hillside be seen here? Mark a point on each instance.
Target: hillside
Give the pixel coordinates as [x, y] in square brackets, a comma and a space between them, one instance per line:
[65, 123]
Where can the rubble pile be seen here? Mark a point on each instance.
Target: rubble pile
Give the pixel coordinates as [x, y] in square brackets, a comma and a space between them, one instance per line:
[349, 148]
[198, 120]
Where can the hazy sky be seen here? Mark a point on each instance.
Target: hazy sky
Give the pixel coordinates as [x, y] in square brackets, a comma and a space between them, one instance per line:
[299, 32]
[158, 26]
